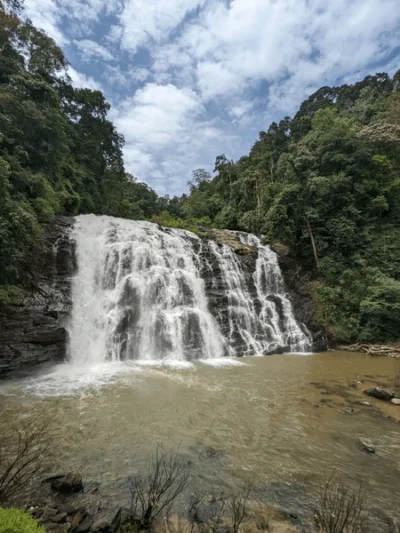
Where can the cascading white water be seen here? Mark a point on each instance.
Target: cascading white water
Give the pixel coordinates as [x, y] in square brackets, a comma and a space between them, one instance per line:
[270, 286]
[139, 295]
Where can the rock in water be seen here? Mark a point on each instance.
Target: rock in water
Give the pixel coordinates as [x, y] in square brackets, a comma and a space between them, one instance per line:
[396, 401]
[67, 484]
[381, 394]
[366, 448]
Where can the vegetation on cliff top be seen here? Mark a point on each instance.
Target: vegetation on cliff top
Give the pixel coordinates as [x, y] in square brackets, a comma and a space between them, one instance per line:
[325, 183]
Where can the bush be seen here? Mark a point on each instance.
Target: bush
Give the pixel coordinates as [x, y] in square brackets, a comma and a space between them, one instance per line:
[23, 450]
[166, 478]
[17, 521]
[340, 510]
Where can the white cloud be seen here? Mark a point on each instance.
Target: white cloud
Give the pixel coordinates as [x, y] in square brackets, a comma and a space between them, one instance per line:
[81, 81]
[145, 22]
[219, 70]
[46, 16]
[166, 133]
[90, 49]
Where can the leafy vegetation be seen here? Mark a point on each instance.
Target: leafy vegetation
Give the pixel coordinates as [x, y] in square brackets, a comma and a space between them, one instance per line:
[18, 521]
[59, 154]
[326, 184]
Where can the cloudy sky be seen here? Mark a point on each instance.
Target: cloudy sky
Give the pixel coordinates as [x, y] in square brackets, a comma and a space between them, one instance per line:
[191, 79]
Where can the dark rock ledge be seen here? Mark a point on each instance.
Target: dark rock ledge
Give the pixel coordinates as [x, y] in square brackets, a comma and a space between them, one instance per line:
[32, 328]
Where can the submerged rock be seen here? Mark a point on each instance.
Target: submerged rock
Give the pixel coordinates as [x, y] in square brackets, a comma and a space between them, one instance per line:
[366, 448]
[381, 394]
[67, 484]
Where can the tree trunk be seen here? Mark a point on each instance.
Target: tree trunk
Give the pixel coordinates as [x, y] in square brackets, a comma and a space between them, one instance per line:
[312, 243]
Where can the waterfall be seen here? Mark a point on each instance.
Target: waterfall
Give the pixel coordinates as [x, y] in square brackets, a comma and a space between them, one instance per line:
[140, 293]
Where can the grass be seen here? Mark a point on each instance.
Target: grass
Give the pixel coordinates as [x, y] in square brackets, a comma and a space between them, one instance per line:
[18, 521]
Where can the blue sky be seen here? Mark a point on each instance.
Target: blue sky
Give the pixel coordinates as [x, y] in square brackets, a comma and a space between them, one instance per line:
[191, 79]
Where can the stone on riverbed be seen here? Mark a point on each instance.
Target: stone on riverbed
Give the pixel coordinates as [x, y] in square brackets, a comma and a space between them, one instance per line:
[366, 448]
[67, 484]
[396, 401]
[381, 394]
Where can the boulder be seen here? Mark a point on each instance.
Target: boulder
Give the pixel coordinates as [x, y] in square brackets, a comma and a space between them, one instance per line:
[125, 517]
[59, 518]
[102, 526]
[66, 508]
[76, 520]
[381, 394]
[366, 448]
[68, 484]
[85, 525]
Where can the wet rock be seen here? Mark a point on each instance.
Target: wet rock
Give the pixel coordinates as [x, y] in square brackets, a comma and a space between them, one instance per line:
[32, 328]
[57, 528]
[381, 394]
[102, 526]
[91, 487]
[58, 518]
[124, 517]
[396, 401]
[49, 511]
[68, 484]
[366, 448]
[85, 525]
[66, 508]
[366, 403]
[77, 520]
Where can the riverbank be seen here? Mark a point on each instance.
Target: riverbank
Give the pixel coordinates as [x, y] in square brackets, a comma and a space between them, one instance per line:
[375, 350]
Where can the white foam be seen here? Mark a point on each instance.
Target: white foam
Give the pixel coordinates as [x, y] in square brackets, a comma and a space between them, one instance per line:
[222, 362]
[70, 380]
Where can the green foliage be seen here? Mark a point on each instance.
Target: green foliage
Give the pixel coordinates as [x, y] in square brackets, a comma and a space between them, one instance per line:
[7, 293]
[18, 521]
[329, 177]
[195, 225]
[59, 154]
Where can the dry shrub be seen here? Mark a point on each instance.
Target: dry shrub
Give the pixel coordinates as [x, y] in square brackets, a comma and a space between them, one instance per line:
[24, 449]
[238, 508]
[340, 509]
[167, 477]
[266, 518]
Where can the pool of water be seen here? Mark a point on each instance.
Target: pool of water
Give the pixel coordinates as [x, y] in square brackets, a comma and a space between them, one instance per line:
[285, 421]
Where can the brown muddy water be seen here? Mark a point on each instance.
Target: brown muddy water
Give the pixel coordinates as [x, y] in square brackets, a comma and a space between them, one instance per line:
[285, 421]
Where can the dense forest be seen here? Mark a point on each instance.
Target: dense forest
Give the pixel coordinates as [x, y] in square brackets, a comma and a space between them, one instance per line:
[325, 184]
[58, 152]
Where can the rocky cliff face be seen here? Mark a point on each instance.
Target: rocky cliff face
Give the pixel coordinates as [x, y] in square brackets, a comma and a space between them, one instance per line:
[32, 329]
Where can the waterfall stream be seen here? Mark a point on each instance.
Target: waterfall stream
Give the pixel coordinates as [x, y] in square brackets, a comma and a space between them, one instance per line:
[140, 293]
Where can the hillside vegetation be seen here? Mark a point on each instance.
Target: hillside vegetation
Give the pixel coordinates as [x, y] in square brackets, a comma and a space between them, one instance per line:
[59, 154]
[326, 183]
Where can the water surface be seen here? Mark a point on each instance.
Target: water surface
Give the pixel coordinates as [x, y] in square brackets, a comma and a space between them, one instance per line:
[284, 420]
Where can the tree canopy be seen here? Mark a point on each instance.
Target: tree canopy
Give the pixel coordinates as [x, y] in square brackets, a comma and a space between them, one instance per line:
[326, 183]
